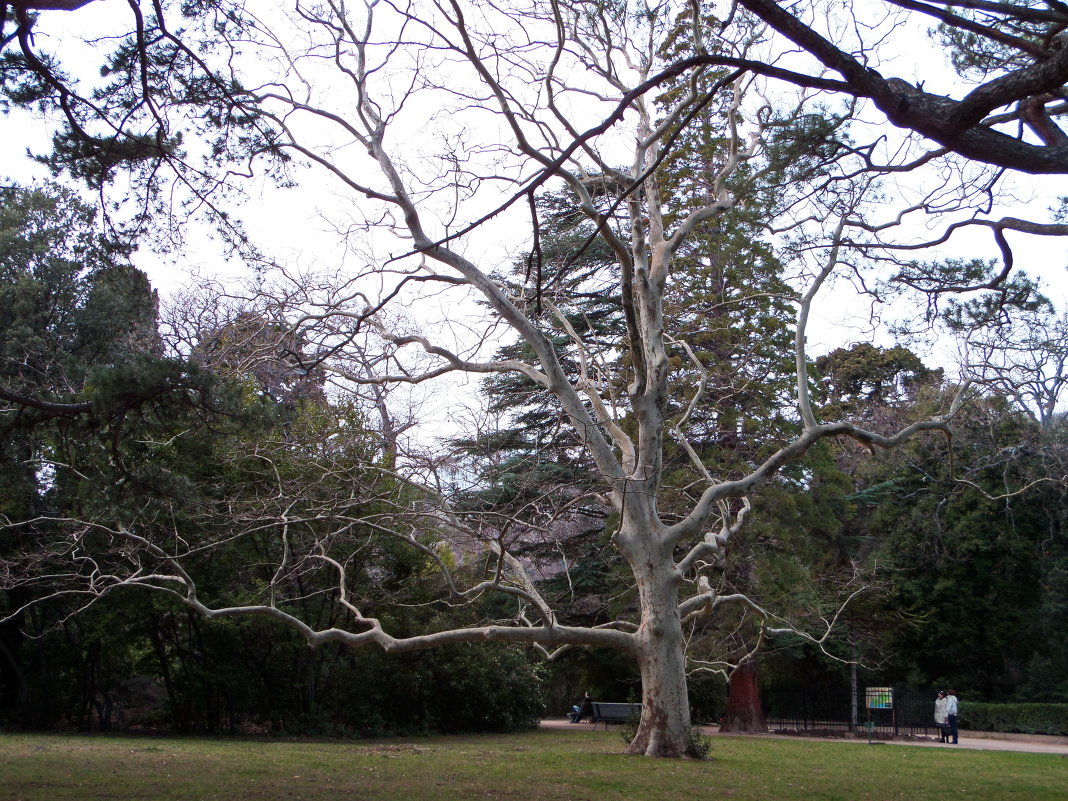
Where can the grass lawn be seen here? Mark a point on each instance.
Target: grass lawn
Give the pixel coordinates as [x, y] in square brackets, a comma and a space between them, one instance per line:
[538, 766]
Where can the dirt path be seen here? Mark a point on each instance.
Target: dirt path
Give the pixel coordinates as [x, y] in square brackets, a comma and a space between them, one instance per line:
[1035, 745]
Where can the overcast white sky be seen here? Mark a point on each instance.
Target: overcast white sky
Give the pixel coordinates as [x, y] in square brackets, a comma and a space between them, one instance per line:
[290, 226]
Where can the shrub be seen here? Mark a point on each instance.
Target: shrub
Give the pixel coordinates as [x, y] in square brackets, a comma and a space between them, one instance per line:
[1021, 718]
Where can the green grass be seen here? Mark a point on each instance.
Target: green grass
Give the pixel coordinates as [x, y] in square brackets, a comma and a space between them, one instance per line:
[541, 766]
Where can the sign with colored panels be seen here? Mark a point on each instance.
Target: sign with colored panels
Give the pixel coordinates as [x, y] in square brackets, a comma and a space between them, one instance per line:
[879, 697]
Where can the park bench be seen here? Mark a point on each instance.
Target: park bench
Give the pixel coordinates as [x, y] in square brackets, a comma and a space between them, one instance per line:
[613, 712]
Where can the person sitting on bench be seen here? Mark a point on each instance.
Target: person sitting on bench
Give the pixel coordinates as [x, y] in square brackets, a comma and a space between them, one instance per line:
[583, 711]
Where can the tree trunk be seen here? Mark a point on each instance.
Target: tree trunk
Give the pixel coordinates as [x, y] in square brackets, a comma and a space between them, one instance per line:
[744, 712]
[165, 670]
[13, 691]
[664, 730]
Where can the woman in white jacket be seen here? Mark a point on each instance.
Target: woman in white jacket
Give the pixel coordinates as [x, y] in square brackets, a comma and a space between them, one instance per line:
[941, 717]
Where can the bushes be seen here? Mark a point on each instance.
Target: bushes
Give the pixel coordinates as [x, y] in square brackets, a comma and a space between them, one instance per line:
[460, 688]
[1021, 718]
[245, 676]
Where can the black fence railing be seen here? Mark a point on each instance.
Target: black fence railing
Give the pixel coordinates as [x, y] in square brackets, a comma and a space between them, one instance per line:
[885, 712]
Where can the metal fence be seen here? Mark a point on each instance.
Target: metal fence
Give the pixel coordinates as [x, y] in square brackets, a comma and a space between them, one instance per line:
[898, 712]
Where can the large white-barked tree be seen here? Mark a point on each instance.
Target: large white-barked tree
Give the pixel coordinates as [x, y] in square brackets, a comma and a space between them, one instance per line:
[429, 120]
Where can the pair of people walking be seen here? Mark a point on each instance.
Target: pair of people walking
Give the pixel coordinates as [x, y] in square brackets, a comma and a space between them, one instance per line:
[946, 710]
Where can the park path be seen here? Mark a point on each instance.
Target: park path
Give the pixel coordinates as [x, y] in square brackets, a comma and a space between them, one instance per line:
[1036, 744]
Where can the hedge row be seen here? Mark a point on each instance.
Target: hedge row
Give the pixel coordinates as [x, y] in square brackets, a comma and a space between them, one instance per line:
[1022, 718]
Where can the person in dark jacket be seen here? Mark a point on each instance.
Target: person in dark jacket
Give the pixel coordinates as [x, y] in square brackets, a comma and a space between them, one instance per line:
[585, 710]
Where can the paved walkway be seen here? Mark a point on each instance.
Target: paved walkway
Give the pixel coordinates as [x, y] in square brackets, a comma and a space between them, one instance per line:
[1036, 744]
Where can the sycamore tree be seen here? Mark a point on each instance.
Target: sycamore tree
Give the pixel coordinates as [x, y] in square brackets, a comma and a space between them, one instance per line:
[1018, 350]
[430, 120]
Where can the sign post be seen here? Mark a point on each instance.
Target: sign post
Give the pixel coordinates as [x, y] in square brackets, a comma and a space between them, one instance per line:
[876, 698]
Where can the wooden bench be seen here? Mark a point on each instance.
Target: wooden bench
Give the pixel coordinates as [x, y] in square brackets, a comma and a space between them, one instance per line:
[613, 712]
